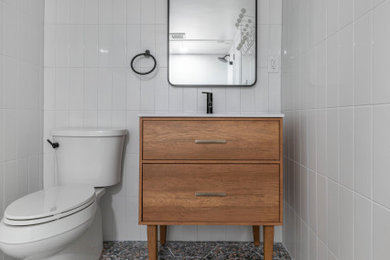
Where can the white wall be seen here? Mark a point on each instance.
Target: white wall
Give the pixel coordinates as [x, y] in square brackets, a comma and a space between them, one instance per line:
[336, 97]
[198, 70]
[88, 47]
[21, 99]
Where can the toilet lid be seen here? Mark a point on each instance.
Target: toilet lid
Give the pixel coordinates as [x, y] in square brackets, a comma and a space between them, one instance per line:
[50, 202]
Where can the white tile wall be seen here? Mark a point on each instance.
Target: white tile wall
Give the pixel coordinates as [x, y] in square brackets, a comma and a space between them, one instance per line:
[21, 99]
[88, 83]
[344, 143]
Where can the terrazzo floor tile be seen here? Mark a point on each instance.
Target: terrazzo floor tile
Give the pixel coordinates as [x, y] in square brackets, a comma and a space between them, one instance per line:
[124, 250]
[233, 251]
[191, 250]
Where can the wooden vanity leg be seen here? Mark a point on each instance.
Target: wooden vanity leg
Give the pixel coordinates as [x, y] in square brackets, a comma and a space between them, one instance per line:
[163, 235]
[152, 242]
[256, 235]
[268, 242]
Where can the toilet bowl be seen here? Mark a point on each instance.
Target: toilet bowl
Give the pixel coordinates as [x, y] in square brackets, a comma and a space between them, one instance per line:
[46, 222]
[64, 222]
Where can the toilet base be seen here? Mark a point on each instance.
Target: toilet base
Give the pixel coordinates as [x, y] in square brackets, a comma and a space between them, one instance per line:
[87, 247]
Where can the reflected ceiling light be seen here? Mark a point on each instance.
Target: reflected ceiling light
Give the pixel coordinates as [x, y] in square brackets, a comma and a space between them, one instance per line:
[178, 35]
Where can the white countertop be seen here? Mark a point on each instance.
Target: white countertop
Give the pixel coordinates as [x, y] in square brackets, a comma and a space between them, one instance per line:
[209, 115]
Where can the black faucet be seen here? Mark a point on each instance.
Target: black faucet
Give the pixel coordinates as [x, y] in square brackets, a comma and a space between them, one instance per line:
[209, 102]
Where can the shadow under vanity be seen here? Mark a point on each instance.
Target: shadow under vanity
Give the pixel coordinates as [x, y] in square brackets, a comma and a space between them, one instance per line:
[211, 170]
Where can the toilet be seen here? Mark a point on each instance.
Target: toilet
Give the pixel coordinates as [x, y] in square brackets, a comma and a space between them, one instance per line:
[64, 222]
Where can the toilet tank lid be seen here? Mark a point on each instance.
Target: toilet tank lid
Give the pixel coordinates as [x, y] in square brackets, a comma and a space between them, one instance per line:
[88, 132]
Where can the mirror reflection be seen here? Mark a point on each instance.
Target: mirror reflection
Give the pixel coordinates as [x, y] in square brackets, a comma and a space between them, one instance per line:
[212, 42]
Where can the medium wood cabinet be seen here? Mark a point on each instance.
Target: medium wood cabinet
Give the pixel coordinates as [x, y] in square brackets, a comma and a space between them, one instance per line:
[211, 171]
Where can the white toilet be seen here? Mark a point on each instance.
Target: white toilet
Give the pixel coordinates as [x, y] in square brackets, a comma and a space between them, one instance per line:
[64, 222]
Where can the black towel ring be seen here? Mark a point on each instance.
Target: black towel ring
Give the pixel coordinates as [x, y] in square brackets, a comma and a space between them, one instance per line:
[146, 54]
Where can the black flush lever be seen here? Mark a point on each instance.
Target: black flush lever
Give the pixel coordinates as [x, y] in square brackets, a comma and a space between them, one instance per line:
[54, 145]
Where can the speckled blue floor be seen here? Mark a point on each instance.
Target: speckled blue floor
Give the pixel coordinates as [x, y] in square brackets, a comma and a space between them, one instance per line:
[191, 250]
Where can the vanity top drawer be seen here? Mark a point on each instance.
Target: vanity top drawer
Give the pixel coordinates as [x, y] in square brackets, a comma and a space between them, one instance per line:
[232, 193]
[199, 139]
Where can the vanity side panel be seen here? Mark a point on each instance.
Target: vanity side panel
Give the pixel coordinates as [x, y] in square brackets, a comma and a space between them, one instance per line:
[281, 170]
[140, 190]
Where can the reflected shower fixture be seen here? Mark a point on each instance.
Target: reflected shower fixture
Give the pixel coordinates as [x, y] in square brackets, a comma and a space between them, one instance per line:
[225, 59]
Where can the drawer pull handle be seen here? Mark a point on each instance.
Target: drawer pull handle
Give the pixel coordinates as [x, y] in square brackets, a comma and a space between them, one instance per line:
[210, 194]
[210, 141]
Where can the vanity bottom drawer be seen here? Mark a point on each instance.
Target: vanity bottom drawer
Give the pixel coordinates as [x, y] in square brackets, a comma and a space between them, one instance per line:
[207, 193]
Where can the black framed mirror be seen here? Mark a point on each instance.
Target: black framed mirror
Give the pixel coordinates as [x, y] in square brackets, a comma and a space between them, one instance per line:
[212, 43]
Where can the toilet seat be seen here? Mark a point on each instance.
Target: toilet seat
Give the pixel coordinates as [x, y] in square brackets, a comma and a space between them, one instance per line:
[46, 238]
[49, 205]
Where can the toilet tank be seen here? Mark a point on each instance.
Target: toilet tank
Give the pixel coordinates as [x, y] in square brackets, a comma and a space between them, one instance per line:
[89, 156]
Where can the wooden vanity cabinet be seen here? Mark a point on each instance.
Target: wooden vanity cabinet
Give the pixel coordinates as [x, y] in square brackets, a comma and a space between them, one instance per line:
[211, 171]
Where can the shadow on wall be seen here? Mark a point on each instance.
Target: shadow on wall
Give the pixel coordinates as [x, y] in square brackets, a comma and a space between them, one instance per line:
[108, 214]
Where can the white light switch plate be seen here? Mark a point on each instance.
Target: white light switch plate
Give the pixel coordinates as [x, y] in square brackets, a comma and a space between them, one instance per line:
[274, 64]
